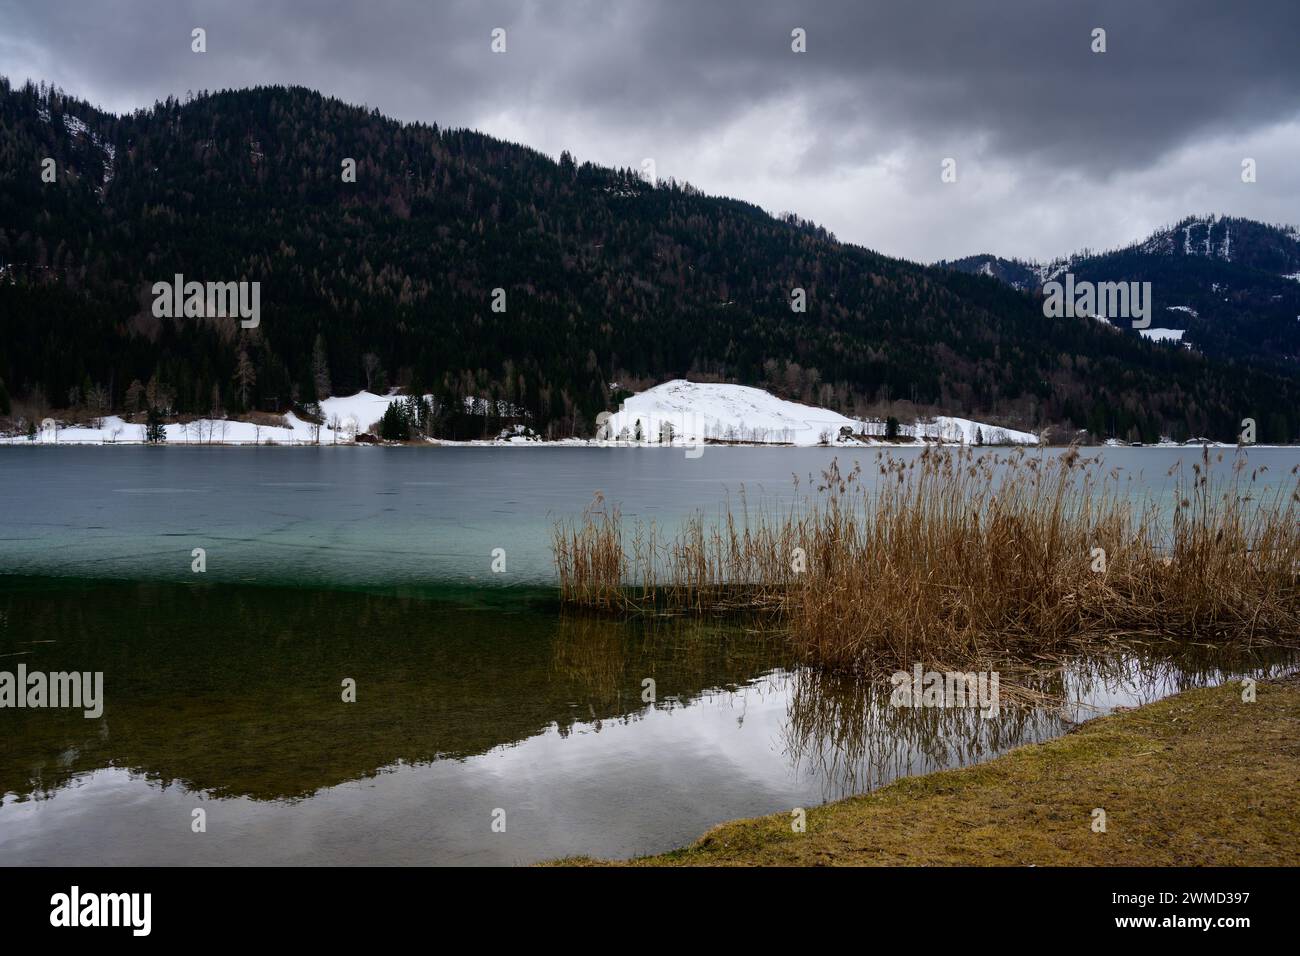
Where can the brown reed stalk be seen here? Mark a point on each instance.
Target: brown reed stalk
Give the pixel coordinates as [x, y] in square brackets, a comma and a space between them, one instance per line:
[955, 555]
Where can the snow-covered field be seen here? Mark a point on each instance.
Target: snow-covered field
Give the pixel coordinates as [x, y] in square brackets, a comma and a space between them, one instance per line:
[206, 431]
[693, 412]
[352, 414]
[357, 413]
[676, 413]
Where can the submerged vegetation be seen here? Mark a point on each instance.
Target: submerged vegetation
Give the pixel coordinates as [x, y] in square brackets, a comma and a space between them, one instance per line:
[955, 556]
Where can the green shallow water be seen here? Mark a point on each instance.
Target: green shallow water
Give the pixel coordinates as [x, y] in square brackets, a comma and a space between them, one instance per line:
[227, 698]
[389, 518]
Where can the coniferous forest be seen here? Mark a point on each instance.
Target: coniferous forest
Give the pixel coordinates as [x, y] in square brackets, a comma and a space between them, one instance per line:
[608, 284]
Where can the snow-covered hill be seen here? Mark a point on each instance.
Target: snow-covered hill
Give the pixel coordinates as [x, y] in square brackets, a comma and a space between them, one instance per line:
[693, 412]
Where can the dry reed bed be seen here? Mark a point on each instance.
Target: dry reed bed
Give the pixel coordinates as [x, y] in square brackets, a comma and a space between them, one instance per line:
[954, 556]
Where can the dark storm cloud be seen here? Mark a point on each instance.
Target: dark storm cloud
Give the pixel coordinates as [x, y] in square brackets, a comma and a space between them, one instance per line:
[1013, 83]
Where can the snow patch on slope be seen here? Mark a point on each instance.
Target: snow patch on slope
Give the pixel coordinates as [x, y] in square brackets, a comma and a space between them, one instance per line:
[76, 126]
[364, 409]
[1050, 271]
[683, 412]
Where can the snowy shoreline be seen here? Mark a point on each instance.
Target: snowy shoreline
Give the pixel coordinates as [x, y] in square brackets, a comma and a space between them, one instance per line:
[675, 415]
[588, 443]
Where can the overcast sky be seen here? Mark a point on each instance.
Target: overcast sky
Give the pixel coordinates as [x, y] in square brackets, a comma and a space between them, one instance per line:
[1056, 147]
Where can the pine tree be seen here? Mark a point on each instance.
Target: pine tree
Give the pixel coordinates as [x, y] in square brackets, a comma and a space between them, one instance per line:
[320, 369]
[394, 425]
[154, 431]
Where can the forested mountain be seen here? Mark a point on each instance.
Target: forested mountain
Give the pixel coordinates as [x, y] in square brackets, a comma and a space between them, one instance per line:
[1232, 284]
[388, 281]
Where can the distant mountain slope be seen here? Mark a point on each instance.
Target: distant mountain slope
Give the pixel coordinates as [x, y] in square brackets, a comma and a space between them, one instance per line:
[1016, 273]
[1232, 284]
[389, 280]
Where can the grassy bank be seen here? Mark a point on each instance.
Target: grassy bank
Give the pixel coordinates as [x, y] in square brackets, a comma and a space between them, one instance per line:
[1201, 778]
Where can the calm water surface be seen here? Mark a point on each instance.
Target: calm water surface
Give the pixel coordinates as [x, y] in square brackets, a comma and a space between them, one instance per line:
[475, 692]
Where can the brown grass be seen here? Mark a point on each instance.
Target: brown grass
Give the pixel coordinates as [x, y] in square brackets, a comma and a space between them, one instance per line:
[1198, 779]
[957, 557]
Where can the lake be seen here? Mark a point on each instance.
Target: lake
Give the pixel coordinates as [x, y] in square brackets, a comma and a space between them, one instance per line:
[477, 697]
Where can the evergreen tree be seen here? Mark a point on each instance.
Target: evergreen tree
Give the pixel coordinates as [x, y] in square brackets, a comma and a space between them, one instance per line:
[154, 431]
[395, 424]
[320, 369]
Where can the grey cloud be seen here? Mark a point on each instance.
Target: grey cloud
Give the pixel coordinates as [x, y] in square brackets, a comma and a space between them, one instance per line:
[1013, 83]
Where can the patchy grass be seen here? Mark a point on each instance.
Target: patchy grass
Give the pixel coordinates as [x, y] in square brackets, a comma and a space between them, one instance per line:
[1198, 779]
